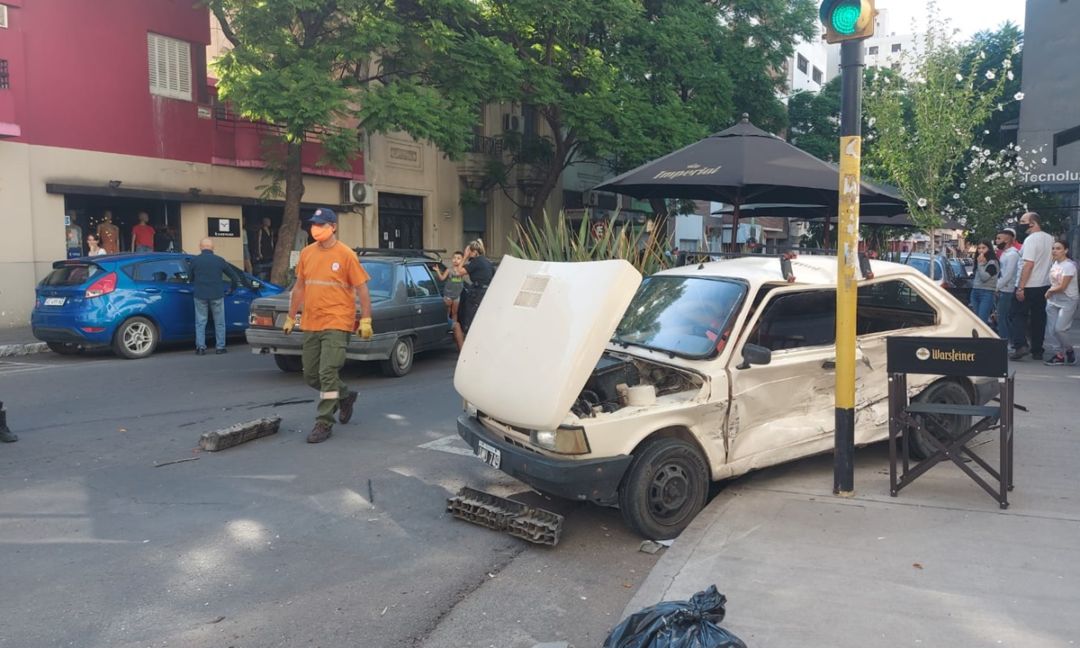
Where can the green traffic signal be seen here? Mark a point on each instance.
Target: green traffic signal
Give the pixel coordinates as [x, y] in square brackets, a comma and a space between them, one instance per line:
[845, 18]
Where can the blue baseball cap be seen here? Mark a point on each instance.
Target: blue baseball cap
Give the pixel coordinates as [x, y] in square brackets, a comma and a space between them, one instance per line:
[323, 216]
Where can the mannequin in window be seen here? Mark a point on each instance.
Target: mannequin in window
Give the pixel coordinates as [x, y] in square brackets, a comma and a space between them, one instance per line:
[142, 235]
[108, 234]
[74, 235]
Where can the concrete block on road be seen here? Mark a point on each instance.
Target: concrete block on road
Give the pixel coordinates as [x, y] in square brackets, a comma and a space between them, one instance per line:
[234, 435]
[22, 349]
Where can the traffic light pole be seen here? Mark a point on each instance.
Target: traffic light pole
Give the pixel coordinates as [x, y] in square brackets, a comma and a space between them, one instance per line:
[847, 290]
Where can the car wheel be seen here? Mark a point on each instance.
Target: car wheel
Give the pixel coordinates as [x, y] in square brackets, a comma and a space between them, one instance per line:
[64, 348]
[136, 338]
[664, 489]
[289, 363]
[943, 427]
[401, 358]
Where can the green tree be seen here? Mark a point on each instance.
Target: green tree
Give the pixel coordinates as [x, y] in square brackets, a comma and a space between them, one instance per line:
[814, 121]
[924, 129]
[625, 81]
[311, 66]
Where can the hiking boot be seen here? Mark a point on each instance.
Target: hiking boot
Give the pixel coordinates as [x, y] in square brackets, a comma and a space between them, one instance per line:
[345, 407]
[1019, 352]
[319, 433]
[1057, 360]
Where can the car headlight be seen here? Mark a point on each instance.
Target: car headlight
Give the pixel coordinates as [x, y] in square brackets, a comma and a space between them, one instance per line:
[565, 440]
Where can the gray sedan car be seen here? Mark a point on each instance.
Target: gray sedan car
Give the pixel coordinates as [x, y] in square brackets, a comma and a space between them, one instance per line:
[408, 315]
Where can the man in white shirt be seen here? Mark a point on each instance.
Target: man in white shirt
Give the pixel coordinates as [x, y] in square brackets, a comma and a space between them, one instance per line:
[1029, 309]
[1009, 260]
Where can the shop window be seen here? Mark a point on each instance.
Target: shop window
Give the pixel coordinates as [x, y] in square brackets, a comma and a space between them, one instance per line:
[170, 66]
[803, 63]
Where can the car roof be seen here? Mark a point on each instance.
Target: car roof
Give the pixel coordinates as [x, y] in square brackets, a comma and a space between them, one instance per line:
[125, 256]
[808, 270]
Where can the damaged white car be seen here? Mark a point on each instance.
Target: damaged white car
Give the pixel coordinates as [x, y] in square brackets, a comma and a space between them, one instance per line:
[586, 382]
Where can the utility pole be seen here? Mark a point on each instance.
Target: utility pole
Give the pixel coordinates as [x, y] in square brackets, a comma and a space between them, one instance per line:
[848, 22]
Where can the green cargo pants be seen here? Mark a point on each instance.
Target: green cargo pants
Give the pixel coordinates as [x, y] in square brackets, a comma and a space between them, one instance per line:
[324, 356]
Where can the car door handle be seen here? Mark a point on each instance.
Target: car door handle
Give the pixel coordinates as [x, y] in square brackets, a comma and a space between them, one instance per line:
[184, 291]
[419, 309]
[152, 291]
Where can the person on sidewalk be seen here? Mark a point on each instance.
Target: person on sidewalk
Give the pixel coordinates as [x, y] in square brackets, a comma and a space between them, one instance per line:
[262, 250]
[329, 278]
[1029, 309]
[984, 281]
[1009, 261]
[207, 272]
[1061, 301]
[6, 435]
[480, 272]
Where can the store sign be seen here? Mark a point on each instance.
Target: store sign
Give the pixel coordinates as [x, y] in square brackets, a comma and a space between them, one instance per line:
[948, 356]
[1051, 177]
[223, 227]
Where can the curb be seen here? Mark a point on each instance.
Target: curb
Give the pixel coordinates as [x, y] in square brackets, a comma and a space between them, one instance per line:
[30, 348]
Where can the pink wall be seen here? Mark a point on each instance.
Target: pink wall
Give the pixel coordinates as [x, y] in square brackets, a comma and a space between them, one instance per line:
[80, 79]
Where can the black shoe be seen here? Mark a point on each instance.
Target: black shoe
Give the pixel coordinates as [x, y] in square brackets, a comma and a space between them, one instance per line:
[1070, 358]
[200, 351]
[1019, 353]
[1037, 356]
[345, 407]
[1057, 360]
[220, 351]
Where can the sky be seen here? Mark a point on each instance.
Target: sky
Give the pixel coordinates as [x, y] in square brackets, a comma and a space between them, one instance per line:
[969, 16]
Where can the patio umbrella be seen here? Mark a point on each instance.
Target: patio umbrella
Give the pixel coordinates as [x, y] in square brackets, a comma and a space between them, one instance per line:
[742, 165]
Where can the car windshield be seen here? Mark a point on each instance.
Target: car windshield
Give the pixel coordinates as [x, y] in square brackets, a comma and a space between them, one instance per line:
[381, 282]
[685, 316]
[70, 274]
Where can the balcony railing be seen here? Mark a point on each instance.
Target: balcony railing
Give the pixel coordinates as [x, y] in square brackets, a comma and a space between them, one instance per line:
[485, 145]
[5, 79]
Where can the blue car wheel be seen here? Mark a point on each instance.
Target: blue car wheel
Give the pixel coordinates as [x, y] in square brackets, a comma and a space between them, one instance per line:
[136, 338]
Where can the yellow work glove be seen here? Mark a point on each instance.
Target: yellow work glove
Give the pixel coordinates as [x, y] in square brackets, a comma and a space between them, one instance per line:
[289, 325]
[364, 329]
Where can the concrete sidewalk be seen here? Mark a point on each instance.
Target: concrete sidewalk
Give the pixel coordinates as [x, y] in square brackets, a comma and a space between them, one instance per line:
[19, 341]
[940, 565]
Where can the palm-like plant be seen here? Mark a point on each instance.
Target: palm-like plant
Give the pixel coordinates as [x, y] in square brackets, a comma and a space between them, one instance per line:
[555, 240]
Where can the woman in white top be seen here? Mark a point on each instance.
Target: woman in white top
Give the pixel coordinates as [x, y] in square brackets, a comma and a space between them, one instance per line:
[1061, 301]
[93, 243]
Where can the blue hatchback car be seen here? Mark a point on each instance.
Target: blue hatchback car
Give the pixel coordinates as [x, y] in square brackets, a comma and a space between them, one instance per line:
[130, 302]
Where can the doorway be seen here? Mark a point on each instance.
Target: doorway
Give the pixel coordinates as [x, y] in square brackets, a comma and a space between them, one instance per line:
[401, 221]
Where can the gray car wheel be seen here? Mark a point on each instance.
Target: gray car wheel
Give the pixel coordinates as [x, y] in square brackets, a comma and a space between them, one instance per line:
[401, 359]
[289, 363]
[136, 338]
[944, 427]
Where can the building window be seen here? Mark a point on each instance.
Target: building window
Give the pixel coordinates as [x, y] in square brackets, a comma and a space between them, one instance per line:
[895, 47]
[170, 66]
[872, 51]
[816, 75]
[5, 80]
[803, 63]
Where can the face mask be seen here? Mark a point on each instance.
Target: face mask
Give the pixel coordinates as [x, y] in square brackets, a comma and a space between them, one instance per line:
[1022, 230]
[322, 234]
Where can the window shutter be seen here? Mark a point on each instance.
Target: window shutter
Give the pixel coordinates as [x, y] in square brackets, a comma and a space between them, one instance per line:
[170, 66]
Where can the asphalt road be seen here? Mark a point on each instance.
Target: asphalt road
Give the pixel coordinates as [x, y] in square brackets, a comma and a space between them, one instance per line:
[276, 542]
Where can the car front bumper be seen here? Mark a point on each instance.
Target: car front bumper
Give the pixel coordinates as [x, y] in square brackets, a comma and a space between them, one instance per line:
[263, 340]
[594, 480]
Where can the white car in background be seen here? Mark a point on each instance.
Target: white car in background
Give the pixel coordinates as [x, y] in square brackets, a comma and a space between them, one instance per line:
[586, 382]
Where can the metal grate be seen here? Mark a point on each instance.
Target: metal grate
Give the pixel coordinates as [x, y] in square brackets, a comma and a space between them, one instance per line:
[5, 80]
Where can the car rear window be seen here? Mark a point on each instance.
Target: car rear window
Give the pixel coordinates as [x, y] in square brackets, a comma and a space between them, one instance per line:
[70, 274]
[381, 282]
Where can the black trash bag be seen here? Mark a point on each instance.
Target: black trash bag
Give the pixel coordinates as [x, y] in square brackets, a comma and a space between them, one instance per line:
[677, 624]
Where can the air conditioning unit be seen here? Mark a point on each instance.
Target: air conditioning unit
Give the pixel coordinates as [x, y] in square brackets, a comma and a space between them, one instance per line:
[511, 123]
[357, 193]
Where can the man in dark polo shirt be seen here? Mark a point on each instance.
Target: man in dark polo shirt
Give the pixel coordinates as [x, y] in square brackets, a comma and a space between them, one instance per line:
[208, 271]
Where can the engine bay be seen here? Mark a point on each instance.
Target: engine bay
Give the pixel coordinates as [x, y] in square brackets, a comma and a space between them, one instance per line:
[620, 381]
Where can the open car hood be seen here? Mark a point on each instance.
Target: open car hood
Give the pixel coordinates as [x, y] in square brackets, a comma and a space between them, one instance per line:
[538, 335]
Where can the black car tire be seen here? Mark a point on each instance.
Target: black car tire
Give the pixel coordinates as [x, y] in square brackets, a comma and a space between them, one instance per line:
[401, 359]
[665, 487]
[136, 338]
[289, 363]
[944, 427]
[64, 348]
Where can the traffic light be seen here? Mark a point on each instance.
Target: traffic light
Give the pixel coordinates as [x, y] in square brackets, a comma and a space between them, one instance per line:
[847, 19]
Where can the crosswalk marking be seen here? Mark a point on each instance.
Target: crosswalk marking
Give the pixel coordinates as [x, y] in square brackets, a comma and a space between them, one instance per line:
[452, 444]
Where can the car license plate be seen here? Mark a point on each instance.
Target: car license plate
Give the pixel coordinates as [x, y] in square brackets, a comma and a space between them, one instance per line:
[55, 301]
[489, 454]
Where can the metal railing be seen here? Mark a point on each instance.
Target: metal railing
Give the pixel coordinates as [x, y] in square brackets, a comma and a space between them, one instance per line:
[5, 78]
[486, 145]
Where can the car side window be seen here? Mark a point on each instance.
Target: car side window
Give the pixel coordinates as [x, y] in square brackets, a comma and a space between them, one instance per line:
[163, 271]
[797, 320]
[421, 283]
[892, 306]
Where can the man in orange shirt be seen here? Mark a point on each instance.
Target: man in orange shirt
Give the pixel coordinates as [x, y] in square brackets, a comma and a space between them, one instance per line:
[328, 277]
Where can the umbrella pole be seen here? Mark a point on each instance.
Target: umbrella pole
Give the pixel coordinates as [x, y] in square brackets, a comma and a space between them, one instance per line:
[735, 229]
[825, 237]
